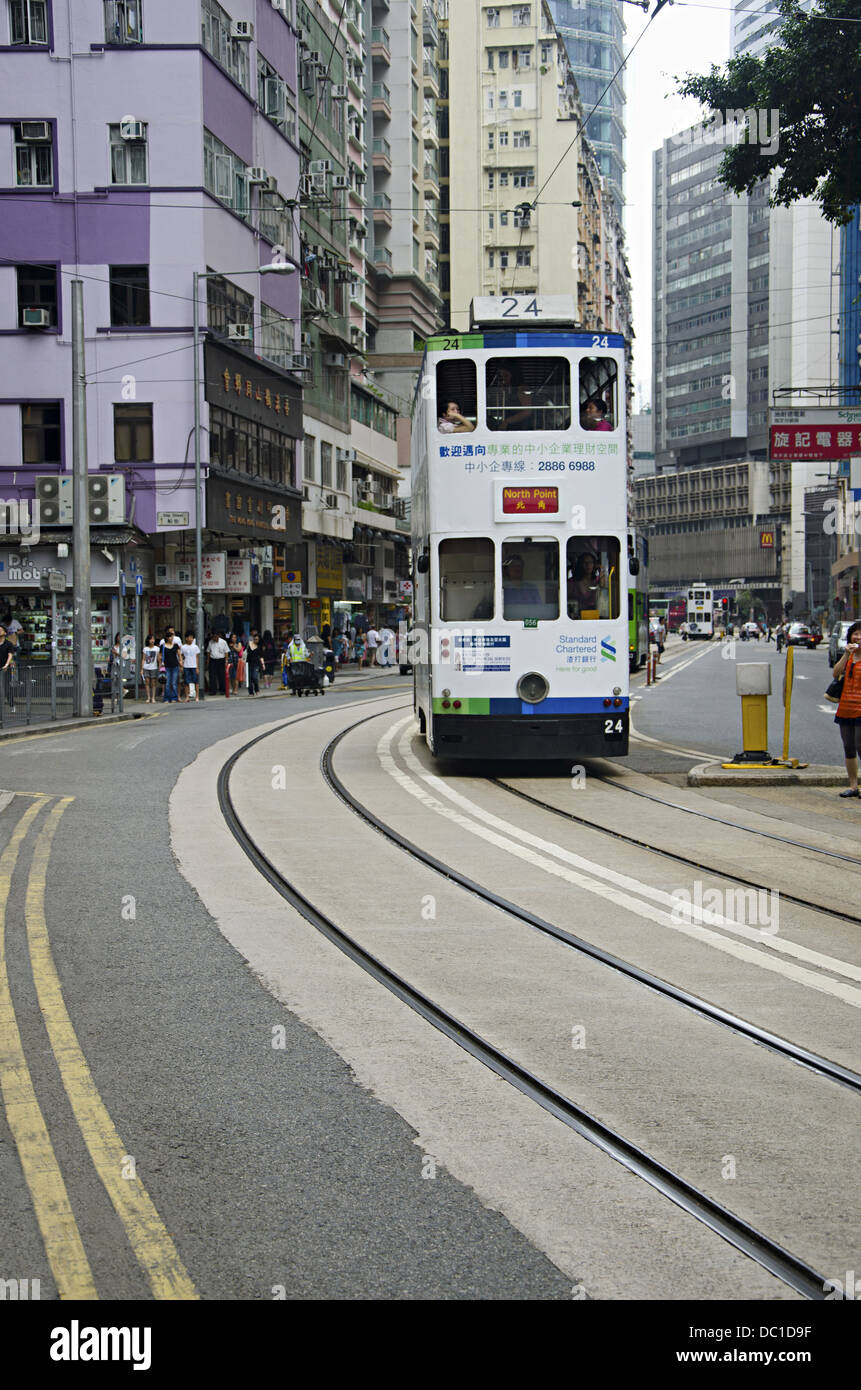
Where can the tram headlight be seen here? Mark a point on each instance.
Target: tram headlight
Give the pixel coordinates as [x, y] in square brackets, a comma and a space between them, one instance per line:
[446, 694]
[617, 689]
[533, 688]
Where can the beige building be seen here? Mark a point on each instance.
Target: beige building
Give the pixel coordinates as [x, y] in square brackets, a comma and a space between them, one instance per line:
[512, 124]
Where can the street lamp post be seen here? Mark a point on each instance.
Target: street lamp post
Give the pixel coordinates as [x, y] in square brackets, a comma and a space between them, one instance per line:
[276, 266]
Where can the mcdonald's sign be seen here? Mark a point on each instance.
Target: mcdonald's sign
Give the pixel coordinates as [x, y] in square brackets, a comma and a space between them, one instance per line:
[766, 540]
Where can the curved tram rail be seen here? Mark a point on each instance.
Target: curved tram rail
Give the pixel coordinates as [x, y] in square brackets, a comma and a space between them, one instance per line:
[759, 1247]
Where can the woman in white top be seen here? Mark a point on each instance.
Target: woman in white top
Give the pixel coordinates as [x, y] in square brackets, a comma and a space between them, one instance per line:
[190, 651]
[149, 668]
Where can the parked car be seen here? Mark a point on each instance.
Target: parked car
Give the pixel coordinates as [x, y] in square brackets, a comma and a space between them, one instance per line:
[799, 635]
[837, 642]
[817, 633]
[753, 629]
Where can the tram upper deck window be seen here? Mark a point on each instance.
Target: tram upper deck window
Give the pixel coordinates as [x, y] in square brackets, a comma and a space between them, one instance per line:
[599, 393]
[593, 577]
[456, 396]
[528, 393]
[466, 579]
[530, 579]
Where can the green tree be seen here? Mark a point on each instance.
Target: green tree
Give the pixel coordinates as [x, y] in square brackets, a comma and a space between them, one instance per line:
[812, 79]
[744, 603]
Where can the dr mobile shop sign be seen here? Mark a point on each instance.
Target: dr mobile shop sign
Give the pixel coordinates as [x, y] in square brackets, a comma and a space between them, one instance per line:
[818, 435]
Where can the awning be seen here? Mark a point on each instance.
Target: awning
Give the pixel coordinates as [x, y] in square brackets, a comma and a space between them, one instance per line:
[847, 562]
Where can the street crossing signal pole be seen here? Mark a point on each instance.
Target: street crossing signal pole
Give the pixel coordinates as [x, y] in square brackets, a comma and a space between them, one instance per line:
[81, 598]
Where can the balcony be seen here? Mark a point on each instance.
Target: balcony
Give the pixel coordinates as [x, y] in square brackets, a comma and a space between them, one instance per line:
[380, 45]
[431, 74]
[431, 269]
[354, 20]
[381, 100]
[430, 127]
[432, 227]
[431, 174]
[382, 209]
[429, 26]
[382, 152]
[383, 260]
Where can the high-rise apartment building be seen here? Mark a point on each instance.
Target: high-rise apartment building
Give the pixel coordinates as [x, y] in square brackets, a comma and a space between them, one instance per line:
[594, 35]
[514, 121]
[850, 309]
[141, 144]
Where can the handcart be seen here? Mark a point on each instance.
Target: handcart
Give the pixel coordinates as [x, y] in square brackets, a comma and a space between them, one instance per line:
[304, 678]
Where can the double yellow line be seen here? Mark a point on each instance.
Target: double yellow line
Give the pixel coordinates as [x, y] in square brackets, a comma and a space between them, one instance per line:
[150, 1242]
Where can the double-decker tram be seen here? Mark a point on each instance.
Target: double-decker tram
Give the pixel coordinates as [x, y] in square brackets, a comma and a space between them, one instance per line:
[700, 612]
[520, 539]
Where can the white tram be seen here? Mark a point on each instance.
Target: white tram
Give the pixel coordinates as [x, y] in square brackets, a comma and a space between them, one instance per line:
[519, 514]
[700, 616]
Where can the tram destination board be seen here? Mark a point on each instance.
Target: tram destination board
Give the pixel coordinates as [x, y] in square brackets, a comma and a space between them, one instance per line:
[510, 309]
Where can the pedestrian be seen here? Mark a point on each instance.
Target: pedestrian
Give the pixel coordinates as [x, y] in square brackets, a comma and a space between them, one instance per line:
[373, 640]
[342, 647]
[234, 651]
[7, 656]
[191, 675]
[269, 655]
[217, 654]
[848, 716]
[360, 648]
[781, 633]
[683, 632]
[662, 637]
[171, 647]
[149, 668]
[254, 661]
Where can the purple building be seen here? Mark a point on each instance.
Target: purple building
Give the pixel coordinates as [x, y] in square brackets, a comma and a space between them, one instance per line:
[151, 140]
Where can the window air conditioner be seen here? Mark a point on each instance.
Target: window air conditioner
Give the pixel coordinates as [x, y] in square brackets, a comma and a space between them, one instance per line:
[307, 341]
[257, 175]
[319, 184]
[35, 130]
[271, 184]
[347, 455]
[131, 128]
[339, 93]
[240, 333]
[335, 359]
[320, 166]
[241, 29]
[315, 57]
[331, 499]
[341, 181]
[36, 318]
[300, 362]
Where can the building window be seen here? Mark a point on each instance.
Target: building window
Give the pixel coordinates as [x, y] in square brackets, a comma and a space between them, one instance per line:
[40, 433]
[231, 54]
[128, 157]
[522, 140]
[310, 443]
[503, 139]
[28, 22]
[225, 175]
[491, 180]
[503, 260]
[490, 101]
[503, 219]
[521, 16]
[546, 53]
[524, 257]
[490, 59]
[123, 21]
[518, 97]
[503, 99]
[490, 140]
[133, 433]
[521, 57]
[342, 475]
[226, 303]
[276, 338]
[325, 464]
[273, 98]
[490, 220]
[34, 155]
[37, 289]
[503, 57]
[524, 178]
[493, 19]
[129, 295]
[491, 259]
[503, 178]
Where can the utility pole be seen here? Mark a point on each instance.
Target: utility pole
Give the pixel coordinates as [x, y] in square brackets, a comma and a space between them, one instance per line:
[81, 597]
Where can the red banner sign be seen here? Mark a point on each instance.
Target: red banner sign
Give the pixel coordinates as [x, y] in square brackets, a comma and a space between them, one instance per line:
[814, 441]
[530, 499]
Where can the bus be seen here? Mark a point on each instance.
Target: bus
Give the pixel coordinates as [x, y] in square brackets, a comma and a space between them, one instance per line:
[638, 601]
[700, 619]
[519, 533]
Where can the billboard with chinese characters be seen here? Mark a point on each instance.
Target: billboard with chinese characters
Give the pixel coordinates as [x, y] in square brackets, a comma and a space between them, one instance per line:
[813, 433]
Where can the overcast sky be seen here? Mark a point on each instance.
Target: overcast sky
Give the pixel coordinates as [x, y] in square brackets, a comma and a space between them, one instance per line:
[683, 38]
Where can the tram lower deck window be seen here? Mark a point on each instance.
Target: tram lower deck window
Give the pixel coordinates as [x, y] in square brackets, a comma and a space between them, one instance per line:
[530, 579]
[593, 577]
[466, 579]
[526, 393]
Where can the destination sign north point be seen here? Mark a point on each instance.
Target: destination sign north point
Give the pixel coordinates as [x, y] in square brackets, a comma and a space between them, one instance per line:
[530, 499]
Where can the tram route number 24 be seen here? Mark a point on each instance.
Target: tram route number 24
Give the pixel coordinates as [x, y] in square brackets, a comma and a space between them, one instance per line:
[613, 728]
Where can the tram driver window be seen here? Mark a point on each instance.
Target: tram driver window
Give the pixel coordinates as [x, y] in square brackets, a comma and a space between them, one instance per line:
[466, 579]
[592, 571]
[530, 579]
[456, 396]
[526, 393]
[599, 393]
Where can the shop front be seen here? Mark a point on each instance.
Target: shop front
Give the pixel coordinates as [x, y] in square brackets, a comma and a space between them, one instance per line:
[27, 609]
[251, 534]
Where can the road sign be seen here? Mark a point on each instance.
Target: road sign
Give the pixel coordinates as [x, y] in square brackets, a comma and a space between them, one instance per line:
[139, 585]
[123, 585]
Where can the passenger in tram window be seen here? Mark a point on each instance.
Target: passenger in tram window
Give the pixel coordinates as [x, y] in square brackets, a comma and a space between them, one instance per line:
[587, 586]
[452, 422]
[593, 415]
[510, 402]
[513, 589]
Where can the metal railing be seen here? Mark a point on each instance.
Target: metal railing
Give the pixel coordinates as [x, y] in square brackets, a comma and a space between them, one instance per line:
[35, 695]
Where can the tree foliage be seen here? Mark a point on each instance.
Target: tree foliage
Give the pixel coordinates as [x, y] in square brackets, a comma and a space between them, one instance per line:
[812, 78]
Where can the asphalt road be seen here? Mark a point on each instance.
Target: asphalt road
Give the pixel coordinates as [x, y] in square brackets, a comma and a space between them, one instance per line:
[695, 704]
[267, 1167]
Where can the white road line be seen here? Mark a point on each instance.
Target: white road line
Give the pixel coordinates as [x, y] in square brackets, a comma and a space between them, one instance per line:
[612, 886]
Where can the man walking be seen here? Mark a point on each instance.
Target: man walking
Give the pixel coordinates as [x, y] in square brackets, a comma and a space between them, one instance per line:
[217, 654]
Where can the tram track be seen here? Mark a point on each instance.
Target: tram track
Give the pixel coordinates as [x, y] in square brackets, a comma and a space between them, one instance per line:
[677, 858]
[768, 1253]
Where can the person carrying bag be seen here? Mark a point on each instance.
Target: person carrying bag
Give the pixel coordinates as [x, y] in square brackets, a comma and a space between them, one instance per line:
[848, 716]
